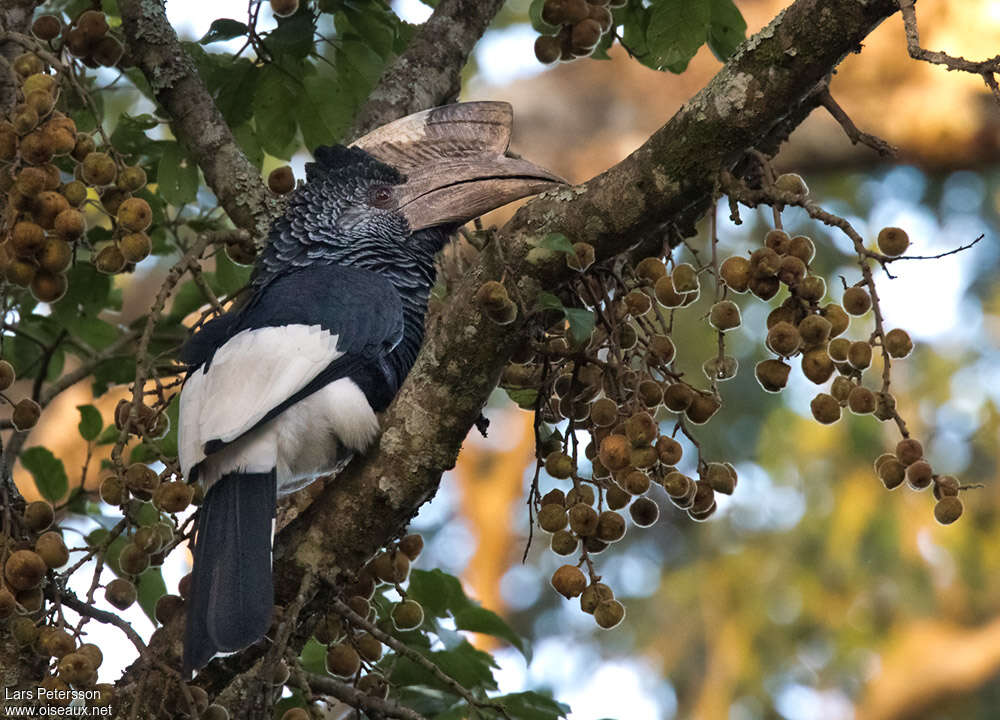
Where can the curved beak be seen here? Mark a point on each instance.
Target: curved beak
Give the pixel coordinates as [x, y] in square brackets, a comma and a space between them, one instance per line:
[456, 163]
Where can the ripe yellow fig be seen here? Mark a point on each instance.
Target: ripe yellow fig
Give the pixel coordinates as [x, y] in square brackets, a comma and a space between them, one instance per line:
[856, 301]
[131, 179]
[24, 569]
[791, 183]
[51, 548]
[898, 343]
[609, 614]
[135, 214]
[135, 247]
[25, 415]
[547, 49]
[281, 180]
[98, 168]
[825, 408]
[725, 315]
[46, 27]
[569, 581]
[650, 269]
[784, 339]
[284, 8]
[736, 272]
[893, 241]
[343, 660]
[644, 511]
[38, 515]
[593, 596]
[947, 510]
[861, 401]
[586, 33]
[909, 450]
[817, 365]
[703, 406]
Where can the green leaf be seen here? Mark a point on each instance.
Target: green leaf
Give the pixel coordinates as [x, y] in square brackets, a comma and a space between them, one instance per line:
[274, 110]
[130, 133]
[232, 81]
[90, 422]
[635, 23]
[247, 139]
[470, 667]
[188, 298]
[677, 28]
[558, 242]
[113, 371]
[109, 435]
[524, 398]
[224, 29]
[437, 591]
[581, 324]
[91, 330]
[548, 301]
[601, 51]
[481, 620]
[535, 16]
[151, 588]
[293, 37]
[144, 453]
[727, 30]
[147, 515]
[88, 291]
[229, 276]
[326, 110]
[375, 26]
[313, 656]
[176, 176]
[47, 471]
[168, 443]
[581, 321]
[359, 66]
[533, 706]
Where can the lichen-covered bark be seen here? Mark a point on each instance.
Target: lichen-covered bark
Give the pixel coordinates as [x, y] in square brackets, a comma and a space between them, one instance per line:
[195, 119]
[429, 72]
[15, 16]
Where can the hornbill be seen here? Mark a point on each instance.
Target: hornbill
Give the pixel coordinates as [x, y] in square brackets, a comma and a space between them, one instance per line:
[286, 387]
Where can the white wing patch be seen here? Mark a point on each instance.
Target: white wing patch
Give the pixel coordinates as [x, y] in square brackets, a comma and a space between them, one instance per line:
[254, 372]
[302, 442]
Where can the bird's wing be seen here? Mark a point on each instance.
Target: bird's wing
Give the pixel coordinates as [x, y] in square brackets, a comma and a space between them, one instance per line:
[300, 332]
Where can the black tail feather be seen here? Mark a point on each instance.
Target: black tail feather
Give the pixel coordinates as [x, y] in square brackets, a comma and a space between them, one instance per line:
[232, 594]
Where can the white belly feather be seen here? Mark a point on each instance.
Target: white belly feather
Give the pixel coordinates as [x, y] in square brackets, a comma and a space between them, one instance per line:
[303, 441]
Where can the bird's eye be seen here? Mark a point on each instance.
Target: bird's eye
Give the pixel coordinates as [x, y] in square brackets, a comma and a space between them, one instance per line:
[380, 197]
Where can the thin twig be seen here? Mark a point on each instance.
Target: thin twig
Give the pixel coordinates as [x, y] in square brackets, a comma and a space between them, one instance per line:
[358, 699]
[856, 136]
[456, 687]
[984, 68]
[142, 369]
[73, 603]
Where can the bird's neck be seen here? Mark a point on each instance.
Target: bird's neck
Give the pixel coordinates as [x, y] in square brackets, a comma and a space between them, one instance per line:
[407, 263]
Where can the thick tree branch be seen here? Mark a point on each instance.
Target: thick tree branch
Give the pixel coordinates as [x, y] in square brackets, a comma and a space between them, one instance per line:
[195, 119]
[428, 73]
